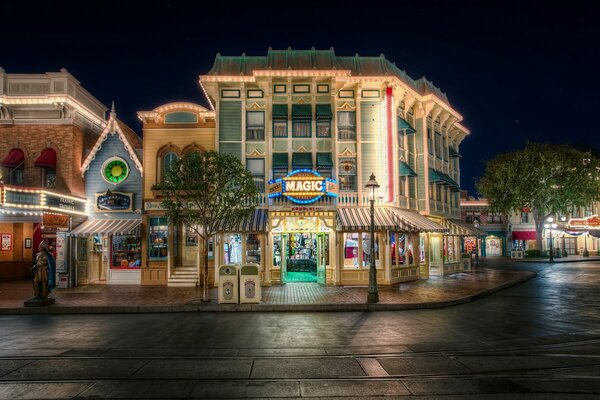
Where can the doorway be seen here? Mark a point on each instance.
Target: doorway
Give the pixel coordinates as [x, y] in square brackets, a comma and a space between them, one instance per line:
[493, 247]
[301, 256]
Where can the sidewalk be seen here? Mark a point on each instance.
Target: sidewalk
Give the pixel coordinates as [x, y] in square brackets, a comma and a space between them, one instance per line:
[432, 293]
[559, 260]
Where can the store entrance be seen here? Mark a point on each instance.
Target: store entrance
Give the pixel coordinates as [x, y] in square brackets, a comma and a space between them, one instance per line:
[301, 256]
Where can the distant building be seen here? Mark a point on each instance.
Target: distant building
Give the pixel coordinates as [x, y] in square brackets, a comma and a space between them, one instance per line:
[494, 238]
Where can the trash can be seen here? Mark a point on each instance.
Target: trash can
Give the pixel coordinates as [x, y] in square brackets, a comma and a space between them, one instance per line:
[228, 284]
[465, 261]
[250, 291]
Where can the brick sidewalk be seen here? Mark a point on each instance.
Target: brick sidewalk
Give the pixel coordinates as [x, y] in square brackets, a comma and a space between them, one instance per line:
[434, 292]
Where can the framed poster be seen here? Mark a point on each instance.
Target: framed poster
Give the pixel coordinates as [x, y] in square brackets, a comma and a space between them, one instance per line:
[6, 242]
[27, 243]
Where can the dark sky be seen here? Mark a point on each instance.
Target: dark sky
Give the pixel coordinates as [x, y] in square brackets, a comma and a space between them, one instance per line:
[516, 71]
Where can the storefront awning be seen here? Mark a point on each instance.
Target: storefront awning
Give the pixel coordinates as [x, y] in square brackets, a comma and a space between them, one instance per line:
[352, 219]
[405, 127]
[256, 223]
[301, 111]
[420, 222]
[302, 160]
[15, 158]
[108, 227]
[280, 111]
[461, 228]
[46, 159]
[451, 182]
[280, 160]
[324, 111]
[406, 170]
[524, 235]
[324, 160]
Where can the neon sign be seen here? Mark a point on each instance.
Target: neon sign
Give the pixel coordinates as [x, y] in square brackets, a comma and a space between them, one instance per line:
[303, 186]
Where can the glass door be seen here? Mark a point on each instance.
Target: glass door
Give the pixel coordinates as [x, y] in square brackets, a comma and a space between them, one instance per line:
[322, 257]
[284, 256]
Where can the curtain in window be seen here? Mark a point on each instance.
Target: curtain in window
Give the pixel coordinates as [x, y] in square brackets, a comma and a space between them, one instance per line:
[302, 128]
[346, 118]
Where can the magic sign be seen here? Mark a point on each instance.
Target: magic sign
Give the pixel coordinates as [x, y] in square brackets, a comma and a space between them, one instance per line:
[303, 186]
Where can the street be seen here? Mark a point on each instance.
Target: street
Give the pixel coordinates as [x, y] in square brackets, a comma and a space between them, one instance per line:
[539, 339]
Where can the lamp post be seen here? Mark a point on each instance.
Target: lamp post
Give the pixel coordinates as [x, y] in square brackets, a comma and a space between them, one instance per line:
[563, 220]
[373, 296]
[550, 225]
[476, 225]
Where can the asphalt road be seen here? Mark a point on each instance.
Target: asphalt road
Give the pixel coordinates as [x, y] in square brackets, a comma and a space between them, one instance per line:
[539, 339]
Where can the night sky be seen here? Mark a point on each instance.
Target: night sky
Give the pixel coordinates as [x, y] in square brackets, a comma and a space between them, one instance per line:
[516, 71]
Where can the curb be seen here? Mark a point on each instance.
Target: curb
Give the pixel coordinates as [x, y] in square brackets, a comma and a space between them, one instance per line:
[545, 261]
[212, 307]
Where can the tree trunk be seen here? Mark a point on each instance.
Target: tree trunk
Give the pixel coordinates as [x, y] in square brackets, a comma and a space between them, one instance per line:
[205, 287]
[538, 219]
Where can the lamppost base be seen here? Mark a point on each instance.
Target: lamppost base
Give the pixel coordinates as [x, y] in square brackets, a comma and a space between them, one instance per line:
[586, 253]
[373, 298]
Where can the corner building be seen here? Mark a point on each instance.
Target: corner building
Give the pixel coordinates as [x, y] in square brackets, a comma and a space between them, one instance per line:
[312, 127]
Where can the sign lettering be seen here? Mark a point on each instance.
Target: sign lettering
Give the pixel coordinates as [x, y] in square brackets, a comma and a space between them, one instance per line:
[303, 186]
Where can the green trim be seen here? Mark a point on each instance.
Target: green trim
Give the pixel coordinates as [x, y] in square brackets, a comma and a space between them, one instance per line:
[252, 94]
[280, 111]
[405, 127]
[343, 94]
[324, 160]
[302, 85]
[279, 88]
[280, 160]
[324, 111]
[236, 96]
[435, 176]
[301, 111]
[406, 170]
[302, 160]
[320, 87]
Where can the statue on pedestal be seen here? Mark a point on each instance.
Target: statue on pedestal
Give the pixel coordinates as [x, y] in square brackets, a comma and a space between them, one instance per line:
[44, 275]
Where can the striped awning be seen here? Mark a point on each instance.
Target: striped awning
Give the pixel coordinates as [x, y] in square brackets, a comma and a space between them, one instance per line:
[108, 227]
[420, 222]
[256, 223]
[461, 228]
[351, 219]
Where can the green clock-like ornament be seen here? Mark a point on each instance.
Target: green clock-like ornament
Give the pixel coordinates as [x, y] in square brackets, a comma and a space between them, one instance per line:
[116, 171]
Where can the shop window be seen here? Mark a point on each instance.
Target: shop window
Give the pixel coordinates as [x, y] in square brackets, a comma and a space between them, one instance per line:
[301, 128]
[346, 125]
[277, 250]
[256, 166]
[366, 249]
[232, 248]
[323, 128]
[422, 248]
[280, 128]
[253, 248]
[167, 161]
[158, 238]
[435, 250]
[350, 250]
[126, 252]
[451, 249]
[255, 125]
[347, 174]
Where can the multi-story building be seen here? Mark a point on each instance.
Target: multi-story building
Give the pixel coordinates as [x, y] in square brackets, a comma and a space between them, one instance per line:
[493, 226]
[46, 123]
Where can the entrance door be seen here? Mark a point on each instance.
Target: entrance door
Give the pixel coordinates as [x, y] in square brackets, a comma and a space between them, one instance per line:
[322, 257]
[284, 256]
[82, 261]
[571, 245]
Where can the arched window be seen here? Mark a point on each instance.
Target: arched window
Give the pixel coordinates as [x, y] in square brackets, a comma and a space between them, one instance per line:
[13, 165]
[167, 160]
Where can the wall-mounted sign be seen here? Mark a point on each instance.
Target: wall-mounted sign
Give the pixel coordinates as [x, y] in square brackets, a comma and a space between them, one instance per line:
[114, 201]
[61, 240]
[589, 222]
[63, 203]
[6, 242]
[33, 198]
[58, 221]
[303, 186]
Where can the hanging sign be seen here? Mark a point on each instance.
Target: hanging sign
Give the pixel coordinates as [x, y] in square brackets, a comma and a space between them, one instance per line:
[303, 186]
[59, 221]
[114, 201]
[589, 222]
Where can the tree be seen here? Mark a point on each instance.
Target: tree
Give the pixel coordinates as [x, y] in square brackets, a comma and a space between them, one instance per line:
[207, 192]
[547, 179]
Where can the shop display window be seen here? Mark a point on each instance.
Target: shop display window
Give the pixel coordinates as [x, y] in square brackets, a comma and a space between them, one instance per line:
[277, 249]
[126, 252]
[435, 250]
[351, 250]
[253, 248]
[366, 249]
[158, 238]
[232, 248]
[422, 248]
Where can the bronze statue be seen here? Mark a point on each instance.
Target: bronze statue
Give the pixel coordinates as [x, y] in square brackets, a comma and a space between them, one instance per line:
[44, 271]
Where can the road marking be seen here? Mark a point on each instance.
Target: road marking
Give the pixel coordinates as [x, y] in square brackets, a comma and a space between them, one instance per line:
[372, 367]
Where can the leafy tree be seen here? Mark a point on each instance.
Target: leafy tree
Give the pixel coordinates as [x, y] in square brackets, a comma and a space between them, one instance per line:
[547, 179]
[207, 192]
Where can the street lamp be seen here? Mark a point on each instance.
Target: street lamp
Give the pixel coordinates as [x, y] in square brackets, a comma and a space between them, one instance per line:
[550, 225]
[373, 296]
[476, 225]
[563, 220]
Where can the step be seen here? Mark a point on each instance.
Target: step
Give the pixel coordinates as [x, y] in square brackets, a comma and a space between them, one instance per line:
[194, 273]
[185, 279]
[181, 284]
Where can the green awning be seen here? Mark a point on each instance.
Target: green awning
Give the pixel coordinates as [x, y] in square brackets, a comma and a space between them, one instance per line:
[324, 111]
[435, 176]
[405, 127]
[406, 170]
[280, 111]
[280, 160]
[302, 160]
[301, 111]
[324, 160]
[451, 181]
[452, 152]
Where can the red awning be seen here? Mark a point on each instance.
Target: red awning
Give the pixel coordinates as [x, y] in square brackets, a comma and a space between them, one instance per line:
[46, 159]
[14, 158]
[524, 235]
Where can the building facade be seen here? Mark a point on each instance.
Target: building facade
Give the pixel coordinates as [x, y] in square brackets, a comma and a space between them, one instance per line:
[493, 240]
[46, 123]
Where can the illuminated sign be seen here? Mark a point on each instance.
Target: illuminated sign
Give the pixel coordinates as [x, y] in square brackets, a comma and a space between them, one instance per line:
[589, 222]
[32, 198]
[303, 186]
[113, 201]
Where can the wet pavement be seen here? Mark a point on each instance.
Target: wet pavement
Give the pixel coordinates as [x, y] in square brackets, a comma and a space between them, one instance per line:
[433, 292]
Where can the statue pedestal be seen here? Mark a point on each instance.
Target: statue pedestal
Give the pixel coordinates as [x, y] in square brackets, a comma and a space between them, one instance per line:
[35, 302]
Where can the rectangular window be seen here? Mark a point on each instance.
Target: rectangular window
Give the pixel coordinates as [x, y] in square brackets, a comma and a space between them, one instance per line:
[324, 128]
[346, 125]
[402, 186]
[366, 250]
[430, 140]
[438, 145]
[256, 166]
[49, 177]
[252, 248]
[469, 217]
[477, 216]
[438, 193]
[351, 250]
[431, 190]
[524, 218]
[126, 252]
[347, 174]
[280, 128]
[444, 150]
[158, 235]
[255, 125]
[301, 128]
[325, 172]
[232, 248]
[412, 187]
[279, 172]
